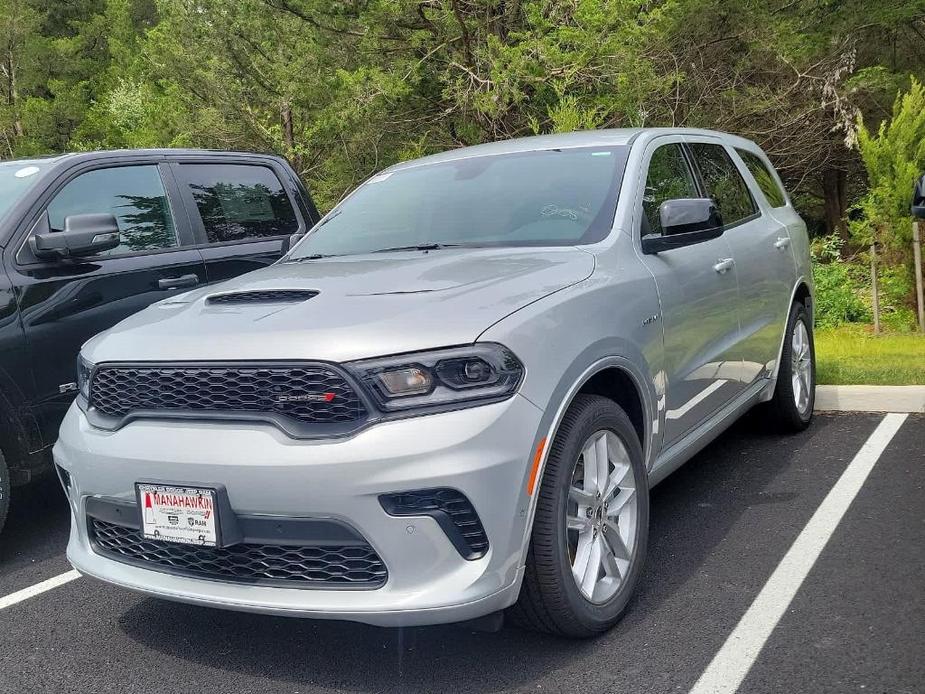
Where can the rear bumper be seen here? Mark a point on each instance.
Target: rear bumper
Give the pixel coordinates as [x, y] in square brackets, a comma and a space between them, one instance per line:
[483, 452]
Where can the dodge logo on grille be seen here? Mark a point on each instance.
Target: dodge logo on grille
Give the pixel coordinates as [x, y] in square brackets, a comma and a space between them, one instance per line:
[306, 397]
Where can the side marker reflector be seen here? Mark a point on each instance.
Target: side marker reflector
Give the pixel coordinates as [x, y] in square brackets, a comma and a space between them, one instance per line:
[537, 457]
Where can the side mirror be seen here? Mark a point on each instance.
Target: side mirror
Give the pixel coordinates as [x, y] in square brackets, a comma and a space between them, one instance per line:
[685, 221]
[918, 199]
[83, 235]
[290, 241]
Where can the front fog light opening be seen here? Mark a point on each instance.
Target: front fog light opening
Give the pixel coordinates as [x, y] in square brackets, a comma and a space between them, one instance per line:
[453, 512]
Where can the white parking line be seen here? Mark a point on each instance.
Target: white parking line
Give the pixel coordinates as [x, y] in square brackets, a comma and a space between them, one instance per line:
[38, 589]
[731, 664]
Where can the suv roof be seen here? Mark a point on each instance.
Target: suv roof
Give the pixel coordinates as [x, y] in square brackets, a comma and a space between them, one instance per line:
[584, 138]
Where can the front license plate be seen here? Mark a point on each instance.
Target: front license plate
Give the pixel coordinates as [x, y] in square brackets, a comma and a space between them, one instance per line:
[178, 514]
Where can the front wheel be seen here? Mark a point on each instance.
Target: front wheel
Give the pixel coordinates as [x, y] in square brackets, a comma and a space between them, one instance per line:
[795, 393]
[591, 525]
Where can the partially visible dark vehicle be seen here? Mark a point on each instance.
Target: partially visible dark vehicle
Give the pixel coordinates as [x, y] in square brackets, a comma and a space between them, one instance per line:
[918, 198]
[88, 239]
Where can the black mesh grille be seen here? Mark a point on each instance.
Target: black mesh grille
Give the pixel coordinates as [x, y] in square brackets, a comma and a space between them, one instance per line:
[268, 296]
[465, 524]
[310, 394]
[355, 565]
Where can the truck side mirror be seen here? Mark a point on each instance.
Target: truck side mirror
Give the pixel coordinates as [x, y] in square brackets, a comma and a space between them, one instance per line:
[918, 199]
[83, 235]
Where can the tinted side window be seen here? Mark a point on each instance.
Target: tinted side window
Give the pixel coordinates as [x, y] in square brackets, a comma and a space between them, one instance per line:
[724, 183]
[669, 177]
[764, 178]
[239, 201]
[133, 194]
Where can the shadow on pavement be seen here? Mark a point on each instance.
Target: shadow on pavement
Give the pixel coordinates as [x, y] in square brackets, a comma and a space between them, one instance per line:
[37, 526]
[692, 511]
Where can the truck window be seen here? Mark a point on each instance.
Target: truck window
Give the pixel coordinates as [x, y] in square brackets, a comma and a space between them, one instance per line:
[17, 177]
[133, 194]
[239, 202]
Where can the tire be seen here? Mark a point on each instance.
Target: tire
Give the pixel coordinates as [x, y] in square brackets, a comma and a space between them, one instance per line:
[4, 491]
[788, 415]
[551, 599]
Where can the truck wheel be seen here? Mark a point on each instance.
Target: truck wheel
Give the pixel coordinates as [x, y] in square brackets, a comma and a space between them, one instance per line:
[4, 490]
[591, 525]
[795, 392]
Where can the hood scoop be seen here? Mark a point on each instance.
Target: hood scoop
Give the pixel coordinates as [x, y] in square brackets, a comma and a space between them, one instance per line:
[261, 296]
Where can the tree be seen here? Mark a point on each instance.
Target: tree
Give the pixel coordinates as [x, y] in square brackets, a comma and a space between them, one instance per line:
[894, 157]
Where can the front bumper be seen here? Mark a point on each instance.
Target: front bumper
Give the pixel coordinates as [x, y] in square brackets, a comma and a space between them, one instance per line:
[484, 452]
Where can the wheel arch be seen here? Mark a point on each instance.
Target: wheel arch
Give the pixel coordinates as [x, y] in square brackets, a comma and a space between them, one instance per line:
[13, 440]
[804, 295]
[617, 384]
[19, 436]
[617, 378]
[802, 292]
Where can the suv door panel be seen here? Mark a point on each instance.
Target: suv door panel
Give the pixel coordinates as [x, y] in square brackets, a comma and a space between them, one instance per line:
[700, 323]
[768, 273]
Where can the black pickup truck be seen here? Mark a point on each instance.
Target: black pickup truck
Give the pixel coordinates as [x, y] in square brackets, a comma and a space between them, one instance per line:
[88, 239]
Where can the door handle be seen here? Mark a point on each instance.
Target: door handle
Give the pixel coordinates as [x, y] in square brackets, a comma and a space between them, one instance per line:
[782, 242]
[178, 282]
[723, 264]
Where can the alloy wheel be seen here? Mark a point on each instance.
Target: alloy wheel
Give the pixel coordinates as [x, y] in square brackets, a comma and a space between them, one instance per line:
[801, 366]
[602, 517]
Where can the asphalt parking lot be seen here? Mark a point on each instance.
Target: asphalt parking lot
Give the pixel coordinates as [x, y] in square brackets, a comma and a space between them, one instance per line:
[720, 527]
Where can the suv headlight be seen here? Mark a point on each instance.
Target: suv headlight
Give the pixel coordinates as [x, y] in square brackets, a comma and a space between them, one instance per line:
[442, 379]
[84, 370]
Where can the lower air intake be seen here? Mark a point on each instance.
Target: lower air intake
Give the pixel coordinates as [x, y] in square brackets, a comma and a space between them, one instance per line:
[451, 509]
[319, 565]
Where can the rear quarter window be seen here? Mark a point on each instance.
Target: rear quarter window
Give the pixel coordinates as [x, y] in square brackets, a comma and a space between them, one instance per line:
[773, 193]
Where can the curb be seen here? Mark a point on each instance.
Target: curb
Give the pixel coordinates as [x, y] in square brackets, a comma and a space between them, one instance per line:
[870, 399]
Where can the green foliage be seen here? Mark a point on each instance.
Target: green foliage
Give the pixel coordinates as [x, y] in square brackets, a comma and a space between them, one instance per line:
[894, 157]
[343, 89]
[851, 354]
[840, 290]
[896, 298]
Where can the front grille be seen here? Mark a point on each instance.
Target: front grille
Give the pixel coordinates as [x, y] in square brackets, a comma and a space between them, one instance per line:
[450, 508]
[308, 394]
[266, 296]
[355, 565]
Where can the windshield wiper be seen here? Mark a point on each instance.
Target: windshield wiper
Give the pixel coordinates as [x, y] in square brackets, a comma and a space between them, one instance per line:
[393, 249]
[313, 256]
[422, 247]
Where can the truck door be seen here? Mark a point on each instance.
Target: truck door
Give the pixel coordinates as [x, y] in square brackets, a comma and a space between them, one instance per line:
[63, 303]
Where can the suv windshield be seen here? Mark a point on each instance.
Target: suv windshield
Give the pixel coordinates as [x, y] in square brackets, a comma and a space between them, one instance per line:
[16, 177]
[541, 198]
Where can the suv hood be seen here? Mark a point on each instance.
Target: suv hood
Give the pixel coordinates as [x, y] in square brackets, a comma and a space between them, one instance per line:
[365, 306]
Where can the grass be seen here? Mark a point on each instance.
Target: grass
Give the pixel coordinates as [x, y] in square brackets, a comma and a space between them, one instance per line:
[853, 355]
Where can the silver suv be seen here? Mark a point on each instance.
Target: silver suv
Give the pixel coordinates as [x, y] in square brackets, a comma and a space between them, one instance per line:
[453, 395]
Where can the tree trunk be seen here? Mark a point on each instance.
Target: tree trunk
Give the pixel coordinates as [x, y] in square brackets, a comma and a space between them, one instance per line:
[835, 197]
[285, 114]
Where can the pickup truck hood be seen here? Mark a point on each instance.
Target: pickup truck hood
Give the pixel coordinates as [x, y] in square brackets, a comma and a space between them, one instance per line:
[365, 306]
